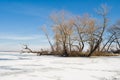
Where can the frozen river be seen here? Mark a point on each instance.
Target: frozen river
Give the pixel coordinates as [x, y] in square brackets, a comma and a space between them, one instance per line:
[15, 66]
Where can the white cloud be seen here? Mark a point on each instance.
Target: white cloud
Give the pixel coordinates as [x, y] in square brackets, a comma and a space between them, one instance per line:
[15, 42]
[19, 47]
[17, 37]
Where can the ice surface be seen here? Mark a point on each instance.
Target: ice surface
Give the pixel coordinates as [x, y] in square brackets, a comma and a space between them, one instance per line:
[16, 66]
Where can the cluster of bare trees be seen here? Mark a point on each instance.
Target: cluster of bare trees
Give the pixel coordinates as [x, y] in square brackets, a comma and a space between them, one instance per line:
[84, 33]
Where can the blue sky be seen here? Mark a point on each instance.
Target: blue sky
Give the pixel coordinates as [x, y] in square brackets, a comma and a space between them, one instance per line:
[20, 20]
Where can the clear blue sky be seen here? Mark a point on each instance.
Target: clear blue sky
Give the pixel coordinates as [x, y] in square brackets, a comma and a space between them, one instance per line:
[20, 20]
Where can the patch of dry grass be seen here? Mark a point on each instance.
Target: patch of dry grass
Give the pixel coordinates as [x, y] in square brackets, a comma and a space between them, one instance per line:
[104, 54]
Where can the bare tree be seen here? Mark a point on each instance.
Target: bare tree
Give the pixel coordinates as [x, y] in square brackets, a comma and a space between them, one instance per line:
[109, 40]
[47, 36]
[80, 24]
[63, 29]
[102, 11]
[115, 29]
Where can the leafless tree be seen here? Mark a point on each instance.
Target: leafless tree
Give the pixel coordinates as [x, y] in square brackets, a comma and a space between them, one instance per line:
[80, 24]
[102, 11]
[110, 40]
[115, 31]
[63, 29]
[47, 36]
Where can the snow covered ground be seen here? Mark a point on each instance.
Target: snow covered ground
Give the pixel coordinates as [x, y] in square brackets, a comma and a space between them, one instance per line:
[15, 66]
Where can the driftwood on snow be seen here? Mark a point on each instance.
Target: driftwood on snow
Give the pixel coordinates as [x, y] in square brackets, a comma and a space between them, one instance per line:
[26, 49]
